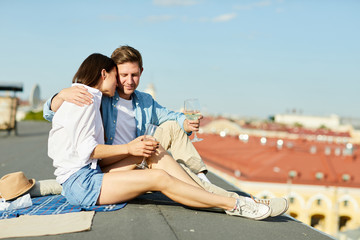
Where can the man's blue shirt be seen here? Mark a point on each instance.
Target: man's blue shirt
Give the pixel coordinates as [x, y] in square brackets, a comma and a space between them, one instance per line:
[146, 109]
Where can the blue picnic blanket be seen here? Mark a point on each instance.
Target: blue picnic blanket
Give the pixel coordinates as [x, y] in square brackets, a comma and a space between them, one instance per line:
[56, 204]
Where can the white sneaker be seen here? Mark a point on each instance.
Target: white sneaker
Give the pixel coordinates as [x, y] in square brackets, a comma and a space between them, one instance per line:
[278, 205]
[248, 208]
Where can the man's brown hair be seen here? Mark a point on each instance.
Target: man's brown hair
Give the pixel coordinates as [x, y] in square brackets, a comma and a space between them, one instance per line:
[126, 54]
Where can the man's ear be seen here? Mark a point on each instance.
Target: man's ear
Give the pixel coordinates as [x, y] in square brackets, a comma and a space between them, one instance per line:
[141, 70]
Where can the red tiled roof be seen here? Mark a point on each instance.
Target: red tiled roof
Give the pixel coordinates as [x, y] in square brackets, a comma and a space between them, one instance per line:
[267, 163]
[272, 126]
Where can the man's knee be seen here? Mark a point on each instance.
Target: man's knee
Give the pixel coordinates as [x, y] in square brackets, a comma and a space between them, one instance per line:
[170, 126]
[170, 132]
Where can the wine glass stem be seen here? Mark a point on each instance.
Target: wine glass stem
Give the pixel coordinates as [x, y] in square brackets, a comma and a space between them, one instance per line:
[143, 163]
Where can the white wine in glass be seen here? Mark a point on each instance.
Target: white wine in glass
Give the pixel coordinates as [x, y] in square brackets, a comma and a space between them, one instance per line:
[149, 135]
[192, 112]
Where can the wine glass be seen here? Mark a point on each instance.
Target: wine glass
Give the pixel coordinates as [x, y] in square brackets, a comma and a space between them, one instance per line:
[149, 135]
[192, 112]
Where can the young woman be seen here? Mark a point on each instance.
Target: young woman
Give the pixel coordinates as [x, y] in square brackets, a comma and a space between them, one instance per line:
[76, 145]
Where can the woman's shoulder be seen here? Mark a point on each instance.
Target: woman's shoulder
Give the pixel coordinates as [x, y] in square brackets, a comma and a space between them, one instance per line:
[70, 112]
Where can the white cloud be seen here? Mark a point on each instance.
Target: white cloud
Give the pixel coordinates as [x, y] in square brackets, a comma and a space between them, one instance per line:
[160, 18]
[175, 2]
[225, 17]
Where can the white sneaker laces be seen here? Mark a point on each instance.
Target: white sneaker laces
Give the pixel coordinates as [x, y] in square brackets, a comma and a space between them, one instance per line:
[249, 206]
[263, 201]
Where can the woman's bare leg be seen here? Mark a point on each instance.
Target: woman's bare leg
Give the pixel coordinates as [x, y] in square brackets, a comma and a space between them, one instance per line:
[162, 160]
[125, 185]
[128, 163]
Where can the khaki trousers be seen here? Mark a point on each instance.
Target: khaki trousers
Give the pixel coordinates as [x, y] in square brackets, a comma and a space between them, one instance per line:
[175, 140]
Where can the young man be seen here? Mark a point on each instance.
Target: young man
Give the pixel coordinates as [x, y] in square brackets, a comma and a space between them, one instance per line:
[126, 115]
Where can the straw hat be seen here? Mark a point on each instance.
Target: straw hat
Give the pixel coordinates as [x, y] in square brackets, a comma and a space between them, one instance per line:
[14, 185]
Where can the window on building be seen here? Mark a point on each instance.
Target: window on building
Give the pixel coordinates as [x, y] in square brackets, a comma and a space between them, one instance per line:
[319, 202]
[265, 197]
[292, 200]
[346, 203]
[294, 215]
[343, 221]
[318, 221]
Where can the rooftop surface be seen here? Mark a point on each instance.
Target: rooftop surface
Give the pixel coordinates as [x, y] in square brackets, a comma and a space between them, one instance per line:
[151, 216]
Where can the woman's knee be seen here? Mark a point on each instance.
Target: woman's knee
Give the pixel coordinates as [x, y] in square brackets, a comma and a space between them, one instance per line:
[160, 177]
[160, 154]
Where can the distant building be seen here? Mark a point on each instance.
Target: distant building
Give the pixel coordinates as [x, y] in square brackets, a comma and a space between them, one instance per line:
[150, 89]
[34, 103]
[278, 130]
[313, 122]
[34, 99]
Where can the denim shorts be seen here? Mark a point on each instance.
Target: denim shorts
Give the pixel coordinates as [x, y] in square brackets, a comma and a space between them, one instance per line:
[83, 187]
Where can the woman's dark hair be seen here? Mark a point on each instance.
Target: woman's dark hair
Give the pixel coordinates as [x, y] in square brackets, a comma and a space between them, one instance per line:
[89, 71]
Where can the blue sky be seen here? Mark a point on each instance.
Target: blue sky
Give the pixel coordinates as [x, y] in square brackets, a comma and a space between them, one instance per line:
[242, 58]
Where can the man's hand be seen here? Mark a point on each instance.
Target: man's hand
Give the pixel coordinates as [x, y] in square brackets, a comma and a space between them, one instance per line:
[141, 147]
[192, 125]
[78, 95]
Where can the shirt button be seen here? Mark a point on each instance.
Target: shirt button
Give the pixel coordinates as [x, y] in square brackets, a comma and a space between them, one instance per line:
[114, 121]
[111, 138]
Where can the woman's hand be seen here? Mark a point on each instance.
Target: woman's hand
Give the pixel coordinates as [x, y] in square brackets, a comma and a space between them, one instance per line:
[141, 147]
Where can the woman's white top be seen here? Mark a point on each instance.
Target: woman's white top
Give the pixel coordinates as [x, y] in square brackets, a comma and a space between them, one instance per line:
[75, 132]
[126, 131]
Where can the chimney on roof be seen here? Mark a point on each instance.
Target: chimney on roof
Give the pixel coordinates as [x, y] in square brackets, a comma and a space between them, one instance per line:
[313, 149]
[222, 134]
[319, 175]
[263, 140]
[346, 177]
[292, 174]
[337, 151]
[244, 138]
[348, 150]
[279, 144]
[327, 150]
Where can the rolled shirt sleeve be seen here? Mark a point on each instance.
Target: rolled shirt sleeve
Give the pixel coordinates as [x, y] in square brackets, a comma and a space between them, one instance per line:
[47, 113]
